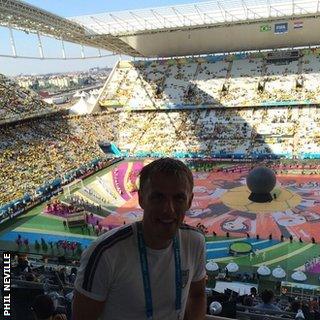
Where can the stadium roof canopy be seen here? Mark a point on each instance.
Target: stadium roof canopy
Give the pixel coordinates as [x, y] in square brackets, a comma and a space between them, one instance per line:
[211, 27]
[192, 15]
[191, 29]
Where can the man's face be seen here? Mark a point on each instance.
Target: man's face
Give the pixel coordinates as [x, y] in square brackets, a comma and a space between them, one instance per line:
[165, 199]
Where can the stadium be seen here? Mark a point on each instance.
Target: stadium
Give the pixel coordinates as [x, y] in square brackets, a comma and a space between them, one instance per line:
[223, 86]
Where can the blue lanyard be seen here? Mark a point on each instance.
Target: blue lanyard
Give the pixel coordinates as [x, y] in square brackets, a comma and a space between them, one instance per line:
[146, 278]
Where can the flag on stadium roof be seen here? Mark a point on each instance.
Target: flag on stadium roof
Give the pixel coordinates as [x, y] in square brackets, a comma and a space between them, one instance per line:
[298, 24]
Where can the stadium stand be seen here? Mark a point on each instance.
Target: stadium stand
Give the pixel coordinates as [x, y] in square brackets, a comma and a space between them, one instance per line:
[67, 142]
[33, 275]
[251, 106]
[17, 103]
[36, 152]
[279, 131]
[250, 79]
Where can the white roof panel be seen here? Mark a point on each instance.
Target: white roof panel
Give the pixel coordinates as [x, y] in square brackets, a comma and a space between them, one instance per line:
[196, 14]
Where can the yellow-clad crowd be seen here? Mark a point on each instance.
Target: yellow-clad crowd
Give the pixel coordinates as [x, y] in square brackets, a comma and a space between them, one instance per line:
[37, 151]
[17, 102]
[228, 81]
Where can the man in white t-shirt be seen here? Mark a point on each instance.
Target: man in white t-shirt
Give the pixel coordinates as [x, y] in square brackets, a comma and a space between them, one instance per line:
[154, 269]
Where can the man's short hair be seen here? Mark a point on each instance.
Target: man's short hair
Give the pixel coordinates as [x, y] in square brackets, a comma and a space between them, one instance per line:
[43, 307]
[167, 166]
[267, 296]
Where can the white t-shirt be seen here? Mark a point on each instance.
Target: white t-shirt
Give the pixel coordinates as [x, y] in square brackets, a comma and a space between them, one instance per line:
[110, 271]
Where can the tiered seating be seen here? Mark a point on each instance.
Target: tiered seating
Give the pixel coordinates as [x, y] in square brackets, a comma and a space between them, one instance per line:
[209, 81]
[309, 136]
[245, 76]
[18, 103]
[221, 81]
[310, 71]
[35, 152]
[281, 131]
[280, 80]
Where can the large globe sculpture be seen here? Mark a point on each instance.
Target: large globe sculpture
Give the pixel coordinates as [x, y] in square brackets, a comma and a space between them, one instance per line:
[261, 181]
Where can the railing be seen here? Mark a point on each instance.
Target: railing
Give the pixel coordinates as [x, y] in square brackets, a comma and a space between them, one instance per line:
[253, 313]
[208, 317]
[258, 316]
[24, 284]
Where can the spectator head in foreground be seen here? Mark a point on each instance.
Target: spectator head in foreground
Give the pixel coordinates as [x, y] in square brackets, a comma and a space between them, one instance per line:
[43, 309]
[253, 291]
[154, 269]
[267, 297]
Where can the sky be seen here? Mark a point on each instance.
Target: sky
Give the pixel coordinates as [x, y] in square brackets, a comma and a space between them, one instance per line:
[27, 45]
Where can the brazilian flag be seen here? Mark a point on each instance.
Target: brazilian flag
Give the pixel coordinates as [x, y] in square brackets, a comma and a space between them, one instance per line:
[265, 28]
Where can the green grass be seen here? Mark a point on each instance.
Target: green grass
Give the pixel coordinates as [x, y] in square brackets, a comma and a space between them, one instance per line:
[54, 252]
[241, 247]
[272, 253]
[33, 220]
[288, 264]
[299, 260]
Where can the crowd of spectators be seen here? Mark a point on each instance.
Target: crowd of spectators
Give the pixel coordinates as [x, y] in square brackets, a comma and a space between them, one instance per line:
[66, 142]
[55, 281]
[265, 305]
[33, 269]
[17, 102]
[35, 152]
[42, 287]
[232, 80]
[281, 131]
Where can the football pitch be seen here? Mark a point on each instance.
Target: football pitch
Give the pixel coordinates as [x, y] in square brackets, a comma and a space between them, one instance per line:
[209, 208]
